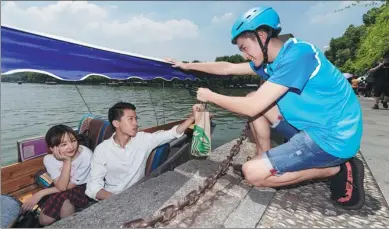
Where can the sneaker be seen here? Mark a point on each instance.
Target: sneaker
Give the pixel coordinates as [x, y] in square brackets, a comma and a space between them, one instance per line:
[384, 104]
[375, 106]
[347, 188]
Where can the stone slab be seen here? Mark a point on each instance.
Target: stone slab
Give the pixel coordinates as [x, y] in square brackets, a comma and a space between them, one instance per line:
[136, 202]
[250, 209]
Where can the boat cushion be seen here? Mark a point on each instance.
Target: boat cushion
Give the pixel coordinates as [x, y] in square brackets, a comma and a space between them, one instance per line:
[93, 131]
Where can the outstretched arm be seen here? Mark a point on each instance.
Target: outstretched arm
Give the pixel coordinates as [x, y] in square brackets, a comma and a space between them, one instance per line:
[190, 120]
[161, 137]
[217, 68]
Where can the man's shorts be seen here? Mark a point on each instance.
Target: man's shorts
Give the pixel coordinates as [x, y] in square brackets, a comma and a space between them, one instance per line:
[381, 88]
[299, 153]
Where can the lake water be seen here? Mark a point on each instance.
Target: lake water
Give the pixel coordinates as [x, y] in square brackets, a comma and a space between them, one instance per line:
[29, 110]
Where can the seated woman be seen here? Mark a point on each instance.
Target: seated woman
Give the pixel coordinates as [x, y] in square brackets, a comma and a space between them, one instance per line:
[68, 164]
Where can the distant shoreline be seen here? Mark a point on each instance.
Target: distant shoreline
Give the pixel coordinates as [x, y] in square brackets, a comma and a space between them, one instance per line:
[151, 83]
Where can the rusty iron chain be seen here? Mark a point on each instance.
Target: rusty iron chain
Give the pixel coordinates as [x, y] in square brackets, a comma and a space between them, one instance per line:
[169, 212]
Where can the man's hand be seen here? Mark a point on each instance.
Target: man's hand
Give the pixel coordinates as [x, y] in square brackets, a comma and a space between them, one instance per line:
[204, 94]
[103, 194]
[199, 108]
[196, 108]
[177, 64]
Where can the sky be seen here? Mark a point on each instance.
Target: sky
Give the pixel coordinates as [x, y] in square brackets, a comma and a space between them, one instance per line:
[183, 30]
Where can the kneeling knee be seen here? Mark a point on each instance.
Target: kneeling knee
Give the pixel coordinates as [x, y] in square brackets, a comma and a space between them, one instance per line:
[253, 175]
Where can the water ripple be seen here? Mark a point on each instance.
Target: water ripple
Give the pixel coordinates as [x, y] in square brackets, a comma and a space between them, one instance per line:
[29, 110]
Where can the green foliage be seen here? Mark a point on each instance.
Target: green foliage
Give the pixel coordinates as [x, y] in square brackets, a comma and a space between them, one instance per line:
[376, 43]
[27, 77]
[32, 77]
[361, 47]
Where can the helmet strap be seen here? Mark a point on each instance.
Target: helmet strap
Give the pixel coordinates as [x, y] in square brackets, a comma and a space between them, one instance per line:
[264, 46]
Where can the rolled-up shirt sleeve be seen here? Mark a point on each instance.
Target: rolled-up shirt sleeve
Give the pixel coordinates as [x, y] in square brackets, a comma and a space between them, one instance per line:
[97, 173]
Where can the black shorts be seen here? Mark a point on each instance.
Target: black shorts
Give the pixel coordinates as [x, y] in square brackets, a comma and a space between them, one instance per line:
[381, 88]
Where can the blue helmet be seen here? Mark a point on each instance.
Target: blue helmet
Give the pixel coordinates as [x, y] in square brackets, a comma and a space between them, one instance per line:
[254, 18]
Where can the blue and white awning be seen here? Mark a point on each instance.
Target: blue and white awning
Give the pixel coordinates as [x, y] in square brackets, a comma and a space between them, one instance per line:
[65, 59]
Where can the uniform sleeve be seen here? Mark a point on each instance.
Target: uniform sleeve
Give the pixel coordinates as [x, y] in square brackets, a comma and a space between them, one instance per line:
[297, 66]
[97, 173]
[51, 166]
[260, 71]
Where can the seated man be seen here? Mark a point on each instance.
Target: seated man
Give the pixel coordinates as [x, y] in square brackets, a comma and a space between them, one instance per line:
[120, 161]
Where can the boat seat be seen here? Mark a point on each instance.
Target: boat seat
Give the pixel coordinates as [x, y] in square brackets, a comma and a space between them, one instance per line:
[157, 157]
[93, 131]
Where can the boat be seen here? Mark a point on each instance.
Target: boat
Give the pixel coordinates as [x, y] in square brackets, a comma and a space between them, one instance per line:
[20, 82]
[19, 51]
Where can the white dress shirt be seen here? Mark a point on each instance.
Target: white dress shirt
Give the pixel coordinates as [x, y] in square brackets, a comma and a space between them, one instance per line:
[115, 169]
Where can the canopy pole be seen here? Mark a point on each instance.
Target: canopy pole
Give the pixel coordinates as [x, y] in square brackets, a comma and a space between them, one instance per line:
[83, 99]
[152, 103]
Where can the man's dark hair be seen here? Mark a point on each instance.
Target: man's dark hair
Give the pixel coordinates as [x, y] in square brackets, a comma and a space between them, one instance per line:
[117, 110]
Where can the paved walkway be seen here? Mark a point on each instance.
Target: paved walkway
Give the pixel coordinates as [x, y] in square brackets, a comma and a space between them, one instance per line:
[308, 206]
[375, 143]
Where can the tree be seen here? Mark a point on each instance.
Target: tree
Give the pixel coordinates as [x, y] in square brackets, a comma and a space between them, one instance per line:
[375, 45]
[360, 47]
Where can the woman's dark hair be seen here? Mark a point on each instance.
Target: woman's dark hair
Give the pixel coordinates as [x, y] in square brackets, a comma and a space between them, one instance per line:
[56, 133]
